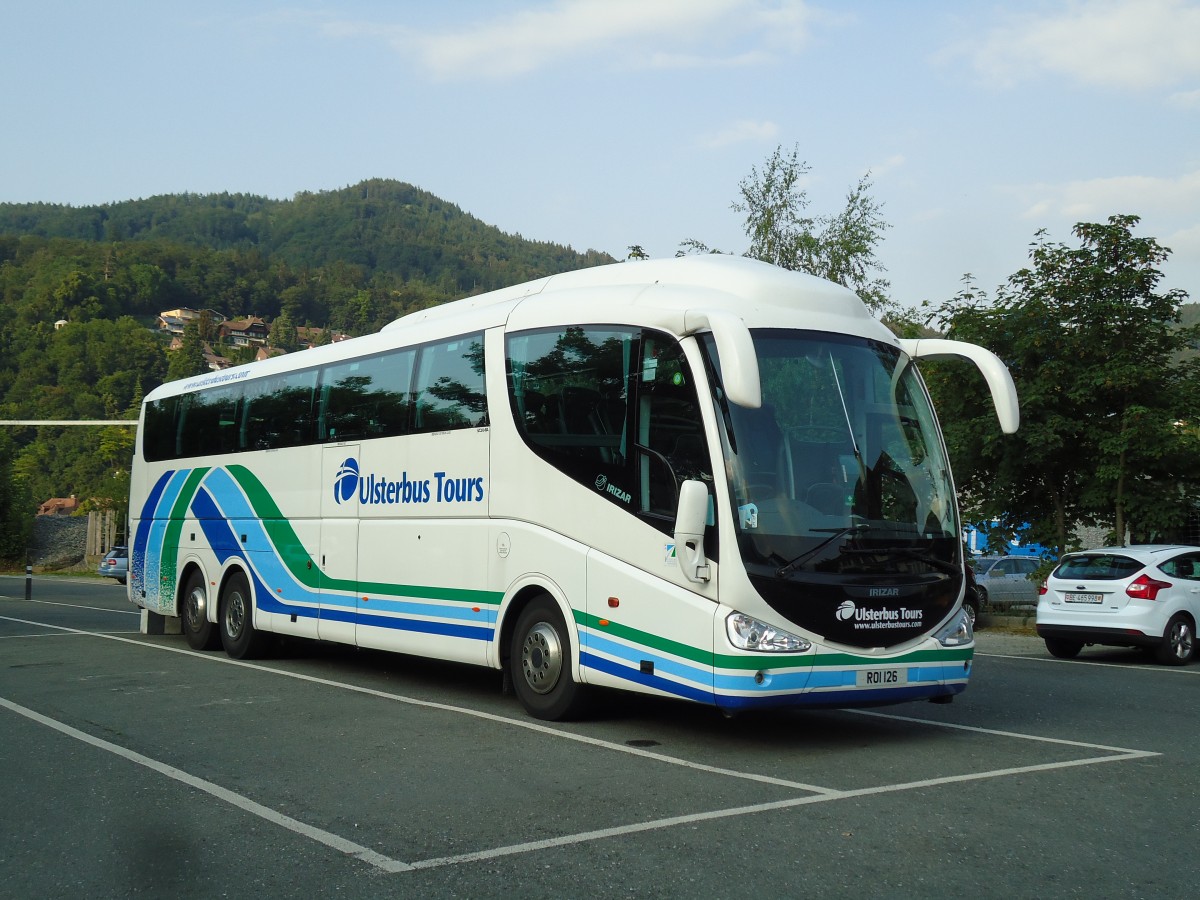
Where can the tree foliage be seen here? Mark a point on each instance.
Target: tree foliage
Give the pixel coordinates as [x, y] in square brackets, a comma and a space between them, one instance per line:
[1109, 410]
[840, 247]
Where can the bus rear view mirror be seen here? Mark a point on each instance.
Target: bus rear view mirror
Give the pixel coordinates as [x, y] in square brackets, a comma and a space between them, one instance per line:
[689, 531]
[999, 381]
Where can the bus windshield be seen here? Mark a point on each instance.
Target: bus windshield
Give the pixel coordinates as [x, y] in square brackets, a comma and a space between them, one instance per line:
[841, 471]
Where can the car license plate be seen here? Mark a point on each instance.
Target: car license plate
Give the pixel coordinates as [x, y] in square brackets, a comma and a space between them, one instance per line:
[881, 677]
[1073, 597]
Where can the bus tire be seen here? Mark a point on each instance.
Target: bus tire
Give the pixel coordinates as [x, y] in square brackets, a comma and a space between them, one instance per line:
[238, 634]
[201, 634]
[540, 661]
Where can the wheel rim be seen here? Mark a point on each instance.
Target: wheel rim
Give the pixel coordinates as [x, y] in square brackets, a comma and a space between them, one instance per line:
[194, 608]
[971, 616]
[541, 658]
[235, 614]
[1181, 640]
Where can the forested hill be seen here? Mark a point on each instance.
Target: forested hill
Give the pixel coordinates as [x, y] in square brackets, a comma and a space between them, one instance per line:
[81, 286]
[378, 226]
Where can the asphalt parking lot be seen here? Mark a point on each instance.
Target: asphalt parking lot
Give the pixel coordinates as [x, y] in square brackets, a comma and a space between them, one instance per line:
[134, 766]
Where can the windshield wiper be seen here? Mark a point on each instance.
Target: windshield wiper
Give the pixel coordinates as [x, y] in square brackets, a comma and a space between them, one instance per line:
[855, 529]
[910, 553]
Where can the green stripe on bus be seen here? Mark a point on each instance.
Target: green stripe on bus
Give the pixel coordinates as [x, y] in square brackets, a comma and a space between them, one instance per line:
[645, 638]
[304, 569]
[169, 562]
[761, 660]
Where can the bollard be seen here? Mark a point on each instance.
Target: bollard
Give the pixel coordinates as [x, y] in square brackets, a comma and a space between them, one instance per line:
[28, 582]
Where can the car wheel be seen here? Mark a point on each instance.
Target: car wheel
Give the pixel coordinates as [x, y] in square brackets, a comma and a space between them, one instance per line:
[1061, 648]
[982, 597]
[540, 662]
[1178, 641]
[971, 608]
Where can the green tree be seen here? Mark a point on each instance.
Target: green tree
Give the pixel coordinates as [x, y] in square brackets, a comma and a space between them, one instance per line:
[840, 247]
[283, 333]
[188, 360]
[16, 508]
[1106, 403]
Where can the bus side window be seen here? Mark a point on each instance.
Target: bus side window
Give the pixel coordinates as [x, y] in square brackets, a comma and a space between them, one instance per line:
[449, 390]
[669, 427]
[568, 390]
[366, 398]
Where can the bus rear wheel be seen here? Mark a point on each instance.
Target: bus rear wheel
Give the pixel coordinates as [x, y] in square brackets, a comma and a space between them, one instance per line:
[201, 634]
[540, 661]
[238, 634]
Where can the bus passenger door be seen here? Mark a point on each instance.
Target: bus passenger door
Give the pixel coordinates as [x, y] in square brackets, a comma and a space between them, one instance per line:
[337, 555]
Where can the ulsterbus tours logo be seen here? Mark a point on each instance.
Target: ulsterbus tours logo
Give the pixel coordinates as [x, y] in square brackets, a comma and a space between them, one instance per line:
[372, 488]
[865, 618]
[345, 483]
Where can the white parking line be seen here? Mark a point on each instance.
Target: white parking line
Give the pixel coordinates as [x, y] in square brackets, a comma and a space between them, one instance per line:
[814, 793]
[1178, 670]
[265, 812]
[123, 612]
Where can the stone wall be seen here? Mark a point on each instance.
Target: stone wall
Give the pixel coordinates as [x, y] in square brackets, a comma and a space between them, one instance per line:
[59, 542]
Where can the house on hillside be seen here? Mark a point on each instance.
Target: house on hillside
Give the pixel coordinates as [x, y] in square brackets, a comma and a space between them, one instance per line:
[243, 332]
[215, 363]
[267, 353]
[59, 506]
[173, 321]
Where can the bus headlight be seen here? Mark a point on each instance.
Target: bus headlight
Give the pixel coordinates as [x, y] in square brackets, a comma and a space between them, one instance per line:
[747, 633]
[957, 631]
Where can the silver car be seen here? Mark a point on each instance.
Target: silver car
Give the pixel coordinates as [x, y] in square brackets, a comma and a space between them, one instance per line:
[115, 564]
[1004, 581]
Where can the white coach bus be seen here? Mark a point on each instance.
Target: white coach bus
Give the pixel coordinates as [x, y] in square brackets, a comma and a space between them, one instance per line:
[705, 478]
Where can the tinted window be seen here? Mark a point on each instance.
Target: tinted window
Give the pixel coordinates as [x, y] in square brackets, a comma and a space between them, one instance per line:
[361, 398]
[366, 397]
[449, 392]
[614, 408]
[1186, 567]
[569, 391]
[1098, 566]
[278, 411]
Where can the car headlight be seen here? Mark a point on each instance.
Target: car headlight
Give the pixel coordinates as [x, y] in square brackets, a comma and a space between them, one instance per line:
[957, 631]
[748, 633]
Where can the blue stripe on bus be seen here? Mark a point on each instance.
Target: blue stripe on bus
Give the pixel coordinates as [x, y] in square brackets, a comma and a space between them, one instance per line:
[851, 698]
[423, 626]
[137, 561]
[225, 544]
[635, 655]
[600, 664]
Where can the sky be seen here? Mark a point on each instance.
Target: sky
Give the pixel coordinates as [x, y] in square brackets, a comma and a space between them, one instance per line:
[602, 124]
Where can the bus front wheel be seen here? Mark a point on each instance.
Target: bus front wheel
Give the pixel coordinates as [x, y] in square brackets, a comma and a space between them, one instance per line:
[238, 634]
[540, 659]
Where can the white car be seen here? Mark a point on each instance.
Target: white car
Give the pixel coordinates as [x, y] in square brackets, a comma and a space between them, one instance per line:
[1145, 596]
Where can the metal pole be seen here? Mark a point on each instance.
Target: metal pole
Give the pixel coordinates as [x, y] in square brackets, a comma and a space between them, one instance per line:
[28, 582]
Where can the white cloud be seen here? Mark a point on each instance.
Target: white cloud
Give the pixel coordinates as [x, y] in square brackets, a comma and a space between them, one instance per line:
[1137, 44]
[1098, 198]
[739, 132]
[1185, 99]
[626, 33]
[890, 164]
[1184, 243]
